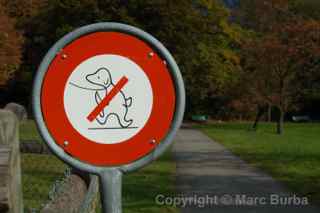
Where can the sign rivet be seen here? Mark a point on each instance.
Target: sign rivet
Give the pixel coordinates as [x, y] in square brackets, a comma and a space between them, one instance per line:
[151, 54]
[153, 141]
[66, 143]
[64, 56]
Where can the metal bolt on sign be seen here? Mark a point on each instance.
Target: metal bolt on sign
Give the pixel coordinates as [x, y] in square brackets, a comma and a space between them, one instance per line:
[151, 54]
[109, 104]
[64, 56]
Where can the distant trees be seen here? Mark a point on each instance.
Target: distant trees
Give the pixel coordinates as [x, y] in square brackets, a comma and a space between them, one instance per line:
[280, 58]
[10, 47]
[306, 8]
[198, 33]
[262, 54]
[278, 63]
[262, 15]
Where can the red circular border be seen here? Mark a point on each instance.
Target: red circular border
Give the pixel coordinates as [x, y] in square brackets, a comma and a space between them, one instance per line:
[52, 94]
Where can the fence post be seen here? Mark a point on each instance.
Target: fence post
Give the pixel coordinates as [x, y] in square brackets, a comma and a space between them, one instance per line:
[10, 165]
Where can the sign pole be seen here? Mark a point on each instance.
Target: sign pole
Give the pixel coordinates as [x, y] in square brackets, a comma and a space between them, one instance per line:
[111, 190]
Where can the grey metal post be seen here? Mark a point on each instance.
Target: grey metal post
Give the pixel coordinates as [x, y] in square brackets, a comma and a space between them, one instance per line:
[111, 190]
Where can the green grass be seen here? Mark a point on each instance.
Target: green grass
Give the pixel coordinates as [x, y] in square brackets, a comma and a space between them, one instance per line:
[39, 172]
[28, 131]
[140, 188]
[293, 158]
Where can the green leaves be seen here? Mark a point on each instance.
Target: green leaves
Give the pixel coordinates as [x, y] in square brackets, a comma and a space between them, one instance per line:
[198, 33]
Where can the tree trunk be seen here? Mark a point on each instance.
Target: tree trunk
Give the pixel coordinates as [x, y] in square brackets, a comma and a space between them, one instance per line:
[280, 122]
[281, 108]
[260, 112]
[269, 113]
[255, 124]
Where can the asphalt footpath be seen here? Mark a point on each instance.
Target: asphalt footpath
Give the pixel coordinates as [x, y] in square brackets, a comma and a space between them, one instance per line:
[210, 179]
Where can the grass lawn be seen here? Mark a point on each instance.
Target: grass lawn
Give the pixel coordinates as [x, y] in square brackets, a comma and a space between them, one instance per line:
[28, 131]
[140, 188]
[39, 172]
[293, 158]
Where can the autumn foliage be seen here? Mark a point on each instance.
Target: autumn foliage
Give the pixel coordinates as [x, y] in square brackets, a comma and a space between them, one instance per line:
[277, 62]
[235, 61]
[10, 47]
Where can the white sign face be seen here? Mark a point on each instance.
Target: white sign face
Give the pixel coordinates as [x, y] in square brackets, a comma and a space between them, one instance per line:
[130, 105]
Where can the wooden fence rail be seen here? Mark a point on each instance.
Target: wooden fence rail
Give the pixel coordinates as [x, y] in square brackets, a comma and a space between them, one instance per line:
[10, 166]
[79, 194]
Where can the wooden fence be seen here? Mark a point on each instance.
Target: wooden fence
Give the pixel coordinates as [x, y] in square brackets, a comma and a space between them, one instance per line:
[79, 193]
[10, 166]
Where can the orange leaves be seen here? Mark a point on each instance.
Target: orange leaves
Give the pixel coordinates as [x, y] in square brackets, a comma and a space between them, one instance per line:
[279, 59]
[10, 47]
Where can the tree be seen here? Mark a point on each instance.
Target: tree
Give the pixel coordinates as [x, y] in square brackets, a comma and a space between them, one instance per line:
[21, 9]
[278, 61]
[10, 47]
[262, 15]
[269, 21]
[306, 8]
[198, 33]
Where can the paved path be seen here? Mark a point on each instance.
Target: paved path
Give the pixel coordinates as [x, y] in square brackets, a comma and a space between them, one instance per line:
[206, 170]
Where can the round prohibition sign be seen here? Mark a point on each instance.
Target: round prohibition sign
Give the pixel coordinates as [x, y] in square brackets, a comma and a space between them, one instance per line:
[108, 95]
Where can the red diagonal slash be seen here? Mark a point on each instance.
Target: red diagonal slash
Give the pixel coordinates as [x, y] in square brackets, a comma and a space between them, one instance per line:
[115, 90]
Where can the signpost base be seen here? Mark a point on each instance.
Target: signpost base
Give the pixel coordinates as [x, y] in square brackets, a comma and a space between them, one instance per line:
[111, 190]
